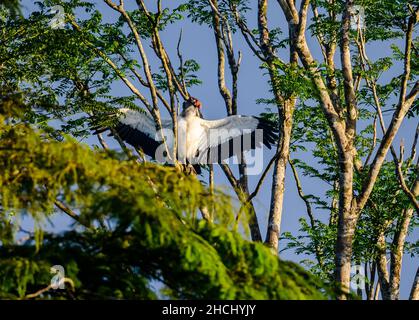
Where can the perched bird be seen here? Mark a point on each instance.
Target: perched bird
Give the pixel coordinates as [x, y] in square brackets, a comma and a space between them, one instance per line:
[200, 141]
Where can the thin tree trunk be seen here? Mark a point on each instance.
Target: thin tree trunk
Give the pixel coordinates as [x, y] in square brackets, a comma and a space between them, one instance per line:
[396, 254]
[346, 223]
[398, 247]
[285, 112]
[347, 215]
[278, 183]
[377, 291]
[244, 187]
[223, 41]
[414, 293]
[383, 276]
[371, 293]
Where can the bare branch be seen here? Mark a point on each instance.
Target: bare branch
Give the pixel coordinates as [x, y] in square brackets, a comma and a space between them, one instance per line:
[410, 194]
[144, 83]
[301, 193]
[70, 213]
[127, 82]
[154, 110]
[102, 141]
[319, 36]
[179, 54]
[303, 197]
[414, 143]
[262, 178]
[397, 162]
[241, 194]
[374, 141]
[43, 290]
[383, 275]
[226, 94]
[141, 50]
[229, 174]
[248, 36]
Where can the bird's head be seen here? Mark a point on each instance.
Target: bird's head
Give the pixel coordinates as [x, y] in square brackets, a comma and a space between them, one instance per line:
[191, 107]
[195, 102]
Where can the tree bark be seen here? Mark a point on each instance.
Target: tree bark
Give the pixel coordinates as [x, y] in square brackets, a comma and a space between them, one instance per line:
[383, 276]
[285, 112]
[223, 41]
[370, 291]
[396, 254]
[347, 216]
[278, 183]
[346, 223]
[414, 293]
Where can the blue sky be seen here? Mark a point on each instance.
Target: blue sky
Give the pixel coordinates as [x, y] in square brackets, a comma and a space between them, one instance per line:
[198, 43]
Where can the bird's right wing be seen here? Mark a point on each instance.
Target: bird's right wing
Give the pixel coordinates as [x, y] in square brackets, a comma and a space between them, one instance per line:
[138, 129]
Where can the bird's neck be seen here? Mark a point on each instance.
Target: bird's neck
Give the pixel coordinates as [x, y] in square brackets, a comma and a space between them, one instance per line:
[189, 115]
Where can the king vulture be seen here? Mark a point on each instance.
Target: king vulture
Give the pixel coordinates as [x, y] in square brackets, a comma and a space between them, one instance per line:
[200, 141]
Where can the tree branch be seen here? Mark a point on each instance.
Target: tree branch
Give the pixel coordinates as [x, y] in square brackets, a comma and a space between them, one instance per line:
[49, 287]
[404, 104]
[225, 93]
[348, 83]
[303, 197]
[70, 213]
[414, 292]
[262, 178]
[384, 147]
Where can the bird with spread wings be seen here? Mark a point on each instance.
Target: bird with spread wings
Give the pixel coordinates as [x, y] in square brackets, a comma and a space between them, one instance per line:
[200, 141]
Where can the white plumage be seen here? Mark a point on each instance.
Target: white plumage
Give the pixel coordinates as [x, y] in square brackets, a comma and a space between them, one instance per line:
[200, 141]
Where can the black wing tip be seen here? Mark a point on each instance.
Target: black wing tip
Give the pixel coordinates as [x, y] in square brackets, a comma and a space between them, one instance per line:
[270, 131]
[197, 169]
[267, 123]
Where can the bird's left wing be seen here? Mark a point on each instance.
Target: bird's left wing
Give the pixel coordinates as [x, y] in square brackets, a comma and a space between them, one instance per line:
[230, 136]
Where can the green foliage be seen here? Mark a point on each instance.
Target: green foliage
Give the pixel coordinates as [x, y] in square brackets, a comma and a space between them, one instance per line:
[190, 67]
[327, 24]
[151, 230]
[384, 21]
[200, 11]
[385, 205]
[61, 72]
[136, 223]
[12, 6]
